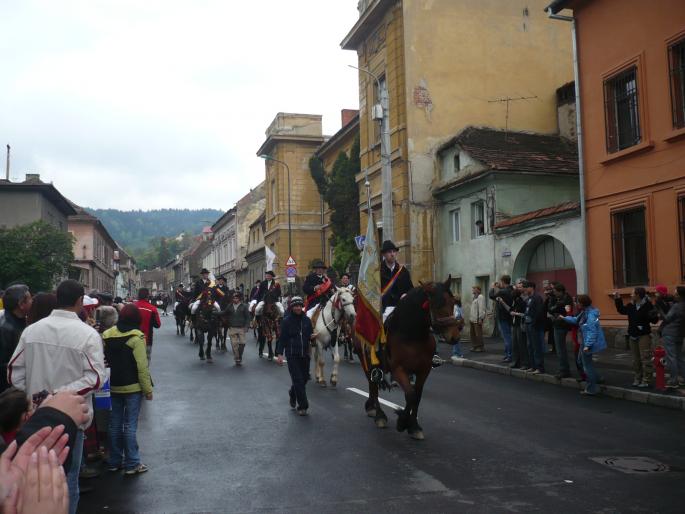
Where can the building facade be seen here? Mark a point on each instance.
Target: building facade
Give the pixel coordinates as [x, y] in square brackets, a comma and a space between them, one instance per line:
[507, 203]
[224, 248]
[445, 66]
[94, 248]
[293, 204]
[248, 209]
[633, 124]
[127, 280]
[25, 202]
[255, 257]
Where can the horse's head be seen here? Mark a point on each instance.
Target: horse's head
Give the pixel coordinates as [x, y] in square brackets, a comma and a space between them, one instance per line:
[441, 303]
[344, 301]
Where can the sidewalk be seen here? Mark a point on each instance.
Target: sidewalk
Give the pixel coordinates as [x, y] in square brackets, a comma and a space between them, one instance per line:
[615, 366]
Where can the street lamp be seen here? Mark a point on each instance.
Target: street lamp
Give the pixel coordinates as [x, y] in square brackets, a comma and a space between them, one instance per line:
[290, 228]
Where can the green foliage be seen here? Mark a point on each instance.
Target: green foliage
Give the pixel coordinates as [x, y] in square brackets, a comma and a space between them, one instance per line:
[37, 254]
[340, 191]
[135, 230]
[160, 251]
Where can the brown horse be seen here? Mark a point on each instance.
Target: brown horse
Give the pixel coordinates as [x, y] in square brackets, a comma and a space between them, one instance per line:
[409, 349]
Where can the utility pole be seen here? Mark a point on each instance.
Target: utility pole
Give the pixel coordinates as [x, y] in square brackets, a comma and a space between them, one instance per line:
[387, 214]
[7, 166]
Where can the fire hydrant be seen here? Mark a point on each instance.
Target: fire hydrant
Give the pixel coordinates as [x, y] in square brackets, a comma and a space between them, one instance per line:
[660, 367]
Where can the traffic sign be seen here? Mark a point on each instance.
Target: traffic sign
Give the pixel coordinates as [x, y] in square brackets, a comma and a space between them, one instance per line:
[290, 280]
[291, 262]
[291, 271]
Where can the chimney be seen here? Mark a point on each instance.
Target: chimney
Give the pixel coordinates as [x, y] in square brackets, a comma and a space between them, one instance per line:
[347, 115]
[32, 177]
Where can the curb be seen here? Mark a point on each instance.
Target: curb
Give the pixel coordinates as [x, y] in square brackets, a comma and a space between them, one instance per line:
[621, 393]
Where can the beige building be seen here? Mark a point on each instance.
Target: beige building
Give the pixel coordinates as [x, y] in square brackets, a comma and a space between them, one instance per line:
[293, 139]
[94, 249]
[224, 248]
[255, 257]
[127, 280]
[447, 65]
[248, 209]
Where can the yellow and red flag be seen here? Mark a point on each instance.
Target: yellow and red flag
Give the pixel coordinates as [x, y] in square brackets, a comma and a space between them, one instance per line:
[368, 324]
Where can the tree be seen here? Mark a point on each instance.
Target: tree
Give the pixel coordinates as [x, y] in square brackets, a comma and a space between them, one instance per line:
[339, 190]
[37, 254]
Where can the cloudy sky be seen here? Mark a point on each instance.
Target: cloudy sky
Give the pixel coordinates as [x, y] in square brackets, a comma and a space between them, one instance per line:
[163, 103]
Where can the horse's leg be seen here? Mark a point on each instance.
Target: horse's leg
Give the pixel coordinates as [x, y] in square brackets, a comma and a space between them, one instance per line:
[271, 348]
[320, 364]
[199, 337]
[380, 419]
[415, 430]
[336, 362]
[402, 378]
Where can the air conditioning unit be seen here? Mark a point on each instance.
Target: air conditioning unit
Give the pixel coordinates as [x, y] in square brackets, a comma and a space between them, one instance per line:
[377, 112]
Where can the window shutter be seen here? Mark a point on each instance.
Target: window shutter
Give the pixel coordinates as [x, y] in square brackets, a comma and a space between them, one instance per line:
[617, 249]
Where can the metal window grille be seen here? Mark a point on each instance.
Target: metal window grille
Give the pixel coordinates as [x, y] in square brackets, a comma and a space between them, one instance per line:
[622, 116]
[681, 224]
[676, 64]
[629, 248]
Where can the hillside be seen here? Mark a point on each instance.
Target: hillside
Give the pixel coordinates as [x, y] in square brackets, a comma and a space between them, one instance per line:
[135, 230]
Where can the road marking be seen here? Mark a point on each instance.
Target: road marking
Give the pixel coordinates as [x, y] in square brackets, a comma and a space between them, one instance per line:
[381, 400]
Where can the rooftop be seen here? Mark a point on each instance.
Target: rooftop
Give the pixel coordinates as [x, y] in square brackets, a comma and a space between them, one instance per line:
[34, 184]
[547, 212]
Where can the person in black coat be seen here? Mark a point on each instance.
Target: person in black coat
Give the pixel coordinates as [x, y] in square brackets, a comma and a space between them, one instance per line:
[559, 305]
[534, 323]
[17, 302]
[395, 279]
[641, 313]
[222, 295]
[295, 342]
[314, 283]
[201, 284]
[502, 294]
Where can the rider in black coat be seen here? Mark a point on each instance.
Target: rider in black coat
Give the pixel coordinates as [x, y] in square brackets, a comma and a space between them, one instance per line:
[389, 268]
[314, 281]
[201, 284]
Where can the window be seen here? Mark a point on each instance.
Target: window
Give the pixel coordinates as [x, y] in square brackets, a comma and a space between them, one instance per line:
[477, 219]
[454, 225]
[456, 163]
[629, 247]
[676, 65]
[681, 231]
[621, 111]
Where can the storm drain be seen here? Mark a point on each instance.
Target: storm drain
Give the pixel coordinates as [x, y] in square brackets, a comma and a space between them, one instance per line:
[632, 465]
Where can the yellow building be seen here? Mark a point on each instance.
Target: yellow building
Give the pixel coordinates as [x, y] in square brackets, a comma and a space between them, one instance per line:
[292, 139]
[448, 64]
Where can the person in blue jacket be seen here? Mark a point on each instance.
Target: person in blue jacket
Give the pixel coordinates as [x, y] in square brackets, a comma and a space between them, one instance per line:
[295, 341]
[592, 338]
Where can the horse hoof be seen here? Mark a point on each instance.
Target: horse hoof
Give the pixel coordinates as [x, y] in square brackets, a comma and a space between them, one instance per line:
[334, 383]
[322, 383]
[371, 413]
[417, 436]
[381, 423]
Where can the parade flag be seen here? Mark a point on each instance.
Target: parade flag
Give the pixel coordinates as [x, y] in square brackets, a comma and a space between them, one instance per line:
[368, 325]
[270, 258]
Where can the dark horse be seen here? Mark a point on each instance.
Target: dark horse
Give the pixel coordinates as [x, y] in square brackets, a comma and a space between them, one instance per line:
[181, 313]
[205, 323]
[409, 349]
[268, 324]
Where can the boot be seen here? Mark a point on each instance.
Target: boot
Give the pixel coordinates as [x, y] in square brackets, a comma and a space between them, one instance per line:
[271, 351]
[241, 347]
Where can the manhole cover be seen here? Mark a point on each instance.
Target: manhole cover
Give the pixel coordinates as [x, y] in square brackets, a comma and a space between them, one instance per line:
[632, 465]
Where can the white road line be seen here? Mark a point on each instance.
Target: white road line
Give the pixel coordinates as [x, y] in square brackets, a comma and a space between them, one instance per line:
[381, 400]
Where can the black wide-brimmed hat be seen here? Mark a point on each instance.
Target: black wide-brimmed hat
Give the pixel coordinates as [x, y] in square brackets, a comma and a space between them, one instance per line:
[388, 245]
[271, 273]
[318, 263]
[222, 278]
[203, 271]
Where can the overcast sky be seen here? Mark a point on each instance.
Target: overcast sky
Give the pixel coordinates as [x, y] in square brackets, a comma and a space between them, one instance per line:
[163, 103]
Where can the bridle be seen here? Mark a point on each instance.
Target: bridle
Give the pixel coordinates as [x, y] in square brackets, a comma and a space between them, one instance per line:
[339, 306]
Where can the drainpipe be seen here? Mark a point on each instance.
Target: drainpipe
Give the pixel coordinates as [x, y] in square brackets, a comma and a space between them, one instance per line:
[579, 134]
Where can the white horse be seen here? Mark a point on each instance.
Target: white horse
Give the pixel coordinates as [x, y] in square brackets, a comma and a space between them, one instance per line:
[341, 304]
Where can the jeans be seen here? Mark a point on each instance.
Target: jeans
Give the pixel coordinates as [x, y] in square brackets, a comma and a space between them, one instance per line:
[456, 350]
[505, 328]
[74, 469]
[560, 345]
[519, 347]
[535, 350]
[298, 367]
[123, 424]
[590, 373]
[675, 359]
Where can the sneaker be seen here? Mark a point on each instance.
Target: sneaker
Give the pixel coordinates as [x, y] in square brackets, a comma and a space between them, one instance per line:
[537, 372]
[114, 468]
[140, 468]
[636, 383]
[643, 385]
[506, 359]
[292, 399]
[87, 472]
[301, 412]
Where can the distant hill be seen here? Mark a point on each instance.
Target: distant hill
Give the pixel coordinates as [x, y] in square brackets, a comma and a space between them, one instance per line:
[134, 230]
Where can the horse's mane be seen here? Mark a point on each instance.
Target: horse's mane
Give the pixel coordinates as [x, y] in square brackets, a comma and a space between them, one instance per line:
[410, 319]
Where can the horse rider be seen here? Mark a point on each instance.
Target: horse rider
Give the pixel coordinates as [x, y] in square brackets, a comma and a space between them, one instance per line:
[221, 292]
[201, 284]
[346, 284]
[268, 286]
[395, 279]
[317, 286]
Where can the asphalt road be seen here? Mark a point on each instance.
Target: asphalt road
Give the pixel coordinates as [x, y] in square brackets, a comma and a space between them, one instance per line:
[223, 439]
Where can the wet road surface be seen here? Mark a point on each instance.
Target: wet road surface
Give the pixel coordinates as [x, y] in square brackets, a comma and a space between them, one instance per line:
[223, 439]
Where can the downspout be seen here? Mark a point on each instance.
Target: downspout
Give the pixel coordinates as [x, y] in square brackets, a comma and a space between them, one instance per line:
[579, 134]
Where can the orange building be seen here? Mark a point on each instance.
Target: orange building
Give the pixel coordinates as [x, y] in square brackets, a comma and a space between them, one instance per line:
[631, 68]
